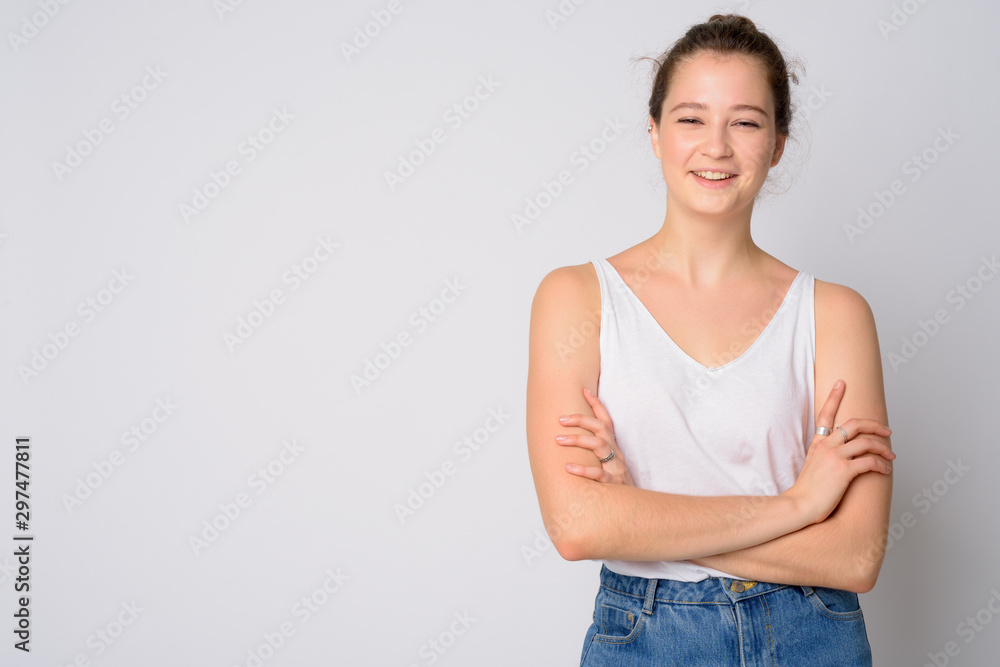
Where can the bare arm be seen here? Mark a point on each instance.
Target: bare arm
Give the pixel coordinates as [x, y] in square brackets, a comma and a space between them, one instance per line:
[846, 550]
[590, 520]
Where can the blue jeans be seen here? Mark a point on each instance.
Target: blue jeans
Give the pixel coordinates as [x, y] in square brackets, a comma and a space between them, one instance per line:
[718, 622]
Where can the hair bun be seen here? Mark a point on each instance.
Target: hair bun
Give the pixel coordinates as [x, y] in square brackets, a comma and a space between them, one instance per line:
[735, 20]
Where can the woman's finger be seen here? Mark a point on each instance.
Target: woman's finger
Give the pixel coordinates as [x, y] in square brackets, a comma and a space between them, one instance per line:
[855, 427]
[596, 474]
[862, 446]
[883, 465]
[599, 410]
[592, 424]
[829, 410]
[598, 447]
[864, 464]
[852, 428]
[591, 442]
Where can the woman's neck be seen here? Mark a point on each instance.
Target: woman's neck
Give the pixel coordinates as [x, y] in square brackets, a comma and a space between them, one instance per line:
[707, 251]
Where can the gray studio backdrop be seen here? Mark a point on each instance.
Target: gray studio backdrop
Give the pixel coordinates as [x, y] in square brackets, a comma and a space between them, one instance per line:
[266, 270]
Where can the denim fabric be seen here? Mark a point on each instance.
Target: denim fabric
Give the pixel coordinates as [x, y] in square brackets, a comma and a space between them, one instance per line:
[718, 622]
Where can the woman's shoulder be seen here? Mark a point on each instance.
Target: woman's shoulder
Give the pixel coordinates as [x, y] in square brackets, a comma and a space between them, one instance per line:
[839, 302]
[567, 293]
[843, 320]
[573, 281]
[828, 296]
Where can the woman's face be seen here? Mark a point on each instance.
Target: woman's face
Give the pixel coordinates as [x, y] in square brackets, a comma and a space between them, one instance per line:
[718, 116]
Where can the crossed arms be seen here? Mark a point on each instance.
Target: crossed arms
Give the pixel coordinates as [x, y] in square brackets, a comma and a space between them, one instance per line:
[798, 537]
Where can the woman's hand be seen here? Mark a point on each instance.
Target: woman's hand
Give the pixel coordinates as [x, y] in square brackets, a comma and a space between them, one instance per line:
[602, 443]
[834, 460]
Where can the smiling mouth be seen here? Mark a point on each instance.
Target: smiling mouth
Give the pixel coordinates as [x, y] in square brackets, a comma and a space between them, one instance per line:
[713, 175]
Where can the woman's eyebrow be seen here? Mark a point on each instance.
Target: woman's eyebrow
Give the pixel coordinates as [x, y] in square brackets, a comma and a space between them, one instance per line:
[698, 106]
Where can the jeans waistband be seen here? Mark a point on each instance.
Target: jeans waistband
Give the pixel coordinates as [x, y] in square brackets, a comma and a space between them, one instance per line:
[713, 590]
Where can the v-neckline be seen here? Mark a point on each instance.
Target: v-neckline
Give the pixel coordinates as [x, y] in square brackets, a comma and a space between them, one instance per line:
[663, 331]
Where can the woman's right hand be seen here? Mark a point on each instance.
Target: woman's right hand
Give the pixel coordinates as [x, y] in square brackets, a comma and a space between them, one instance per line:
[833, 462]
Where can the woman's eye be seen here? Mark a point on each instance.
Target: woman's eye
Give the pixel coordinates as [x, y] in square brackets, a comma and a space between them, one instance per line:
[741, 123]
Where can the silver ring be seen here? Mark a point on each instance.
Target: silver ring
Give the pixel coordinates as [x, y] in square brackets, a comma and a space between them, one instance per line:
[608, 457]
[844, 432]
[822, 430]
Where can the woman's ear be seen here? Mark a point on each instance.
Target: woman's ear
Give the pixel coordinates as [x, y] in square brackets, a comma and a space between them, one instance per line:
[654, 137]
[779, 149]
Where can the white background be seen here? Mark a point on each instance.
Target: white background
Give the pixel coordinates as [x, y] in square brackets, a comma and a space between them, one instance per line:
[878, 98]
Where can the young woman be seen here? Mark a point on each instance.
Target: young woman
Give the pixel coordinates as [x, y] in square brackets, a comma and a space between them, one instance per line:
[753, 509]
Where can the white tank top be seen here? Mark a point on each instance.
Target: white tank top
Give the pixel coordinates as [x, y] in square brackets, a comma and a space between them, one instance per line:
[742, 428]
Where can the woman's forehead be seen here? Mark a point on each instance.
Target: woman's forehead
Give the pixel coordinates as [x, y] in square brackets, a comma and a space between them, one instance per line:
[707, 76]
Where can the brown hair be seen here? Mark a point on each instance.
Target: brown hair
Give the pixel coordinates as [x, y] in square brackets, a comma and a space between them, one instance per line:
[728, 34]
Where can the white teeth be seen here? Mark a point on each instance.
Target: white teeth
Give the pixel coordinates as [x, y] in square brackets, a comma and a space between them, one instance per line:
[714, 175]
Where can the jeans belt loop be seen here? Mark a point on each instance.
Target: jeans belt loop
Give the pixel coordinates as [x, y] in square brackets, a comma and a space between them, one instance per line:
[647, 607]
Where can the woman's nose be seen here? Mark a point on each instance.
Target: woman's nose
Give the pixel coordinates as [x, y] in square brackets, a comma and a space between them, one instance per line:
[716, 142]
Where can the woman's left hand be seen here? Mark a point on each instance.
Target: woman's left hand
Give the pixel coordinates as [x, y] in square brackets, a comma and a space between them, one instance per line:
[602, 443]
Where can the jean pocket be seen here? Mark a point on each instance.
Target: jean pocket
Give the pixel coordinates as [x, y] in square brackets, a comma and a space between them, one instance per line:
[618, 621]
[834, 603]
